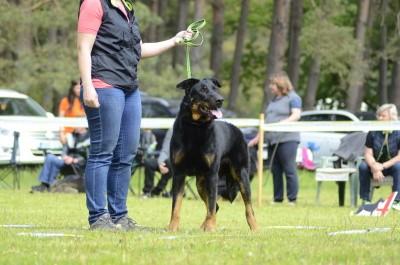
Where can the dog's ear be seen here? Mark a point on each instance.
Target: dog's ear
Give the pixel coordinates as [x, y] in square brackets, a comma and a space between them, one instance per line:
[188, 83]
[215, 82]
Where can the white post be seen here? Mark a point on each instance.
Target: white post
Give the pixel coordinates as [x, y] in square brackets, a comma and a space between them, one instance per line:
[260, 158]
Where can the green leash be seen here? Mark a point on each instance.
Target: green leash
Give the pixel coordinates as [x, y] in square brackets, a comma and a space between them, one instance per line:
[189, 41]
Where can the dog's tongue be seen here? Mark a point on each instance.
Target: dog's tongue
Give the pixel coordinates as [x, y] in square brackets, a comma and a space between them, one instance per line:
[217, 113]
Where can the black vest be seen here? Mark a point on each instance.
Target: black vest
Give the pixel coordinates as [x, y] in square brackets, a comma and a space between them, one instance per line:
[116, 50]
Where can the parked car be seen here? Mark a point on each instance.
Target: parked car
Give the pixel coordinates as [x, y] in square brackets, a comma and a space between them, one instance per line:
[155, 107]
[15, 106]
[324, 143]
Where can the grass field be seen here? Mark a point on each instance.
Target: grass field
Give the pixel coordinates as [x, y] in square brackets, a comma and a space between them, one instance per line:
[278, 241]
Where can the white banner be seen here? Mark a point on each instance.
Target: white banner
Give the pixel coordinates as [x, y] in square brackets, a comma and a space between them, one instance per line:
[29, 123]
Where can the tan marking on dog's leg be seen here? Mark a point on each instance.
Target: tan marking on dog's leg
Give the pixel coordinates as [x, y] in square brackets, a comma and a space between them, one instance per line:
[177, 157]
[209, 159]
[211, 222]
[175, 215]
[251, 219]
[203, 194]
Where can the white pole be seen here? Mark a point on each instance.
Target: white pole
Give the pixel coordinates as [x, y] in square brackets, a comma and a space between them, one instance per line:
[260, 158]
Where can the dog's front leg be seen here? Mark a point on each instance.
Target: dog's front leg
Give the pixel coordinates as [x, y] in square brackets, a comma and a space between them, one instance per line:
[178, 186]
[210, 222]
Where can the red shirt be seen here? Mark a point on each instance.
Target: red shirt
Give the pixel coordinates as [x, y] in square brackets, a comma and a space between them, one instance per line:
[90, 17]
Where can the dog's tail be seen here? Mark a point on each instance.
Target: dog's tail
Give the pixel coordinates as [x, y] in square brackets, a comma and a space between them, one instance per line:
[232, 188]
[227, 186]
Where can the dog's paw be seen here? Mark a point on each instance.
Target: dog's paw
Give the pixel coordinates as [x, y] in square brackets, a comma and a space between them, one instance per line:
[173, 228]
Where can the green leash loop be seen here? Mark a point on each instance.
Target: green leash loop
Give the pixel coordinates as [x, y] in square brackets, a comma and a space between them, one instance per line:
[189, 41]
[128, 4]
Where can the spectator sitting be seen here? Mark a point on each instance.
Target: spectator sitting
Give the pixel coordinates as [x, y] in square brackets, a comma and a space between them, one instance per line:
[70, 106]
[160, 164]
[74, 153]
[382, 156]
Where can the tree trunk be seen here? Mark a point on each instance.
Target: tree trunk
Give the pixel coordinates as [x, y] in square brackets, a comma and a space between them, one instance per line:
[313, 81]
[217, 37]
[162, 8]
[160, 32]
[240, 37]
[295, 23]
[48, 93]
[277, 45]
[382, 83]
[151, 34]
[357, 73]
[197, 52]
[395, 87]
[183, 15]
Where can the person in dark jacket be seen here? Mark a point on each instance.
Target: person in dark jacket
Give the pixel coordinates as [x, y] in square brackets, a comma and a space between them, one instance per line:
[109, 50]
[160, 164]
[382, 156]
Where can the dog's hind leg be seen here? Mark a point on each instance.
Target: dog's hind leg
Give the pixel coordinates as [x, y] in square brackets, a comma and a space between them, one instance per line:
[178, 186]
[245, 191]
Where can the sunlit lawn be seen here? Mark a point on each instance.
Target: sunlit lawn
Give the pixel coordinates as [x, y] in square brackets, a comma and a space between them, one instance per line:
[281, 239]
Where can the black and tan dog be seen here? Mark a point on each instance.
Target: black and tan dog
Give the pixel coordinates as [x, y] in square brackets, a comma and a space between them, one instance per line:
[207, 149]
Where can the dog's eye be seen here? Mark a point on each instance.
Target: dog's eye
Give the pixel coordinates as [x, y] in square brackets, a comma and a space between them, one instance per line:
[204, 89]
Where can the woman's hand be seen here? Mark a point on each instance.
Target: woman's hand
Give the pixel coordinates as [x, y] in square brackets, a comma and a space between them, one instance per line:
[377, 167]
[253, 141]
[378, 175]
[90, 98]
[163, 168]
[181, 36]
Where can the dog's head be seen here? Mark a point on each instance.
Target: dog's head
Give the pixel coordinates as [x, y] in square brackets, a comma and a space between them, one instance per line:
[203, 98]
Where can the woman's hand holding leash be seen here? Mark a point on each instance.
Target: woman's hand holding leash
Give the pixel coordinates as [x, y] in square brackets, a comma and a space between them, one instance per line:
[181, 36]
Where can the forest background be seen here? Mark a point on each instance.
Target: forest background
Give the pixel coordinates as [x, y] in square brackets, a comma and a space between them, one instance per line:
[344, 50]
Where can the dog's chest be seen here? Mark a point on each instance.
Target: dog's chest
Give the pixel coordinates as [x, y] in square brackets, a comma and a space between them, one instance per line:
[194, 156]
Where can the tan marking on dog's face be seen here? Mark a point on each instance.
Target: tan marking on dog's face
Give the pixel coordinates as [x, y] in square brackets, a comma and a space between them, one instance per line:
[196, 116]
[195, 112]
[199, 110]
[177, 157]
[209, 159]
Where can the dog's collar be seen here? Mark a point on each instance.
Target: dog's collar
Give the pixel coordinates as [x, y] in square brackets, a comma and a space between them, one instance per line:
[196, 123]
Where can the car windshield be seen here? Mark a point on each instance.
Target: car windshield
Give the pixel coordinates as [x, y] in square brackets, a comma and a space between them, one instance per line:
[20, 107]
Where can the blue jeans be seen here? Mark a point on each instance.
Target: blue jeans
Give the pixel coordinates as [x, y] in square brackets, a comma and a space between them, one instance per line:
[365, 176]
[114, 130]
[284, 161]
[51, 168]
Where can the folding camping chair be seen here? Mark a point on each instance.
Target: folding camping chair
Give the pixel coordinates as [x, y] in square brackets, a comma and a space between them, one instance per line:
[12, 168]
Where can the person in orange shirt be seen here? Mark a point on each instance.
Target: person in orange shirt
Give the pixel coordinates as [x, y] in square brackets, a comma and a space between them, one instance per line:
[70, 106]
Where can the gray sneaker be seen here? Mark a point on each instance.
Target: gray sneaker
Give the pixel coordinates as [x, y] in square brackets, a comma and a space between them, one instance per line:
[396, 205]
[126, 223]
[105, 223]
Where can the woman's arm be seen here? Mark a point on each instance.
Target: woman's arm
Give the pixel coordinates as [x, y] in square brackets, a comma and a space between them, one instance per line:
[156, 48]
[392, 161]
[254, 141]
[294, 116]
[85, 45]
[372, 163]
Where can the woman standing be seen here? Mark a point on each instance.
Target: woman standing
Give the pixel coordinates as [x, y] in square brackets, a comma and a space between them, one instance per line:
[285, 106]
[109, 50]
